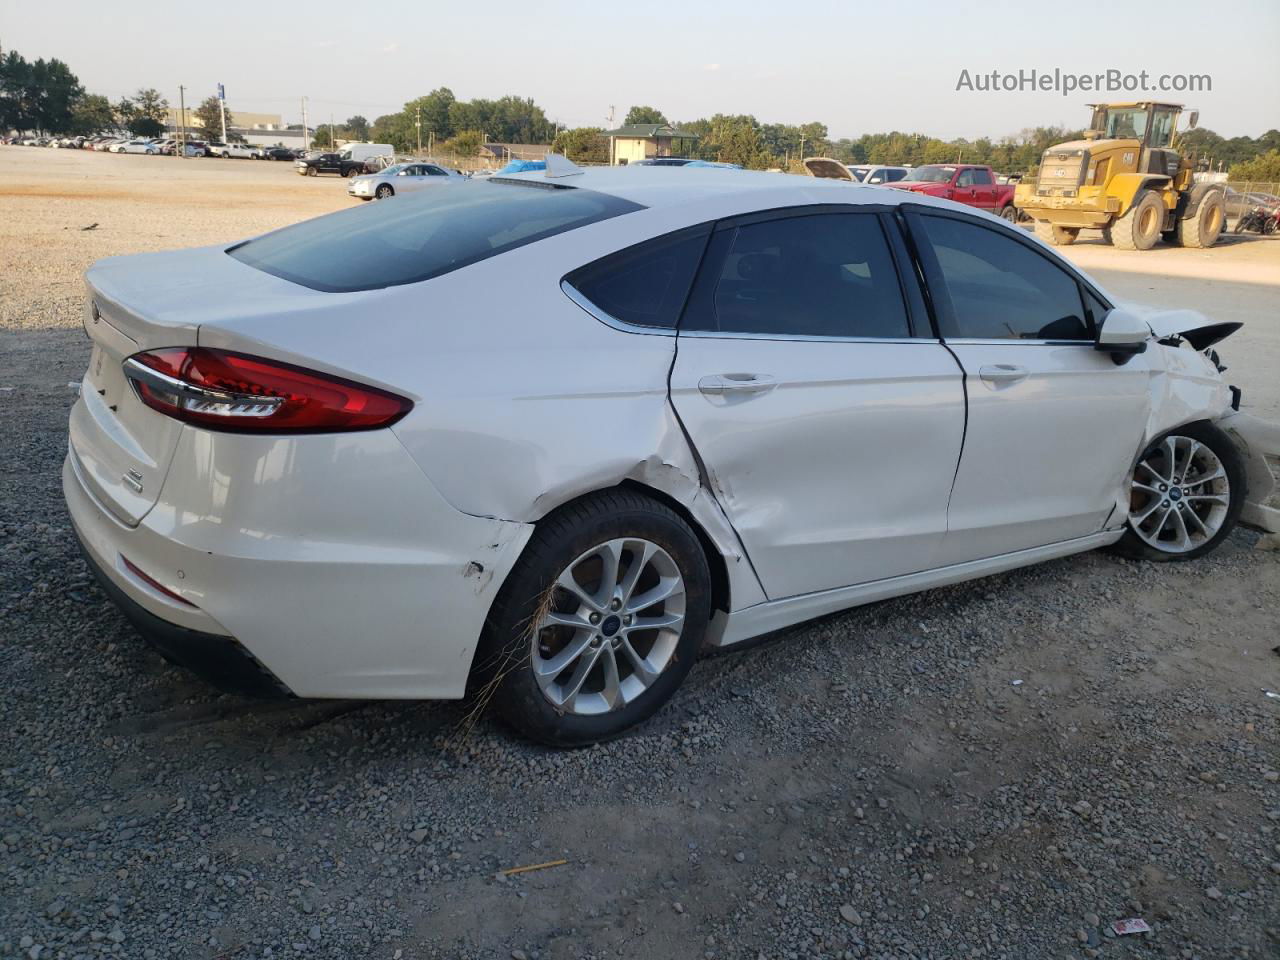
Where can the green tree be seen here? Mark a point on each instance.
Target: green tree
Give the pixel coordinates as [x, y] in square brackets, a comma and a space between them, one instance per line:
[92, 114]
[582, 145]
[209, 116]
[357, 128]
[150, 111]
[464, 143]
[396, 129]
[16, 110]
[1263, 167]
[644, 115]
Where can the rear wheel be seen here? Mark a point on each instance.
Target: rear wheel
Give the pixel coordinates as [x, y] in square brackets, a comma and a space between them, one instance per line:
[384, 190]
[1058, 236]
[1009, 212]
[599, 622]
[1186, 494]
[1141, 224]
[1204, 228]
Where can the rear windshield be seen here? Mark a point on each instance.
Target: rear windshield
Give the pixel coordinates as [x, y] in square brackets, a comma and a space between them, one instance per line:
[410, 238]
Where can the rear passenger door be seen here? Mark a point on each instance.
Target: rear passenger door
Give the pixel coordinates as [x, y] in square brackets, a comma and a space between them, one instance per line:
[1053, 424]
[827, 416]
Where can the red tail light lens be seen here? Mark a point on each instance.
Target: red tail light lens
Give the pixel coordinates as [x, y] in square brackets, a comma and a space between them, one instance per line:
[232, 391]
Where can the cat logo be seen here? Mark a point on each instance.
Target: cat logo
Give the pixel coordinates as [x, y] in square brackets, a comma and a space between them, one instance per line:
[1128, 157]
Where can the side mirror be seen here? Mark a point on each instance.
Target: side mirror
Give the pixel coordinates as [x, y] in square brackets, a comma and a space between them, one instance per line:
[1122, 334]
[1193, 119]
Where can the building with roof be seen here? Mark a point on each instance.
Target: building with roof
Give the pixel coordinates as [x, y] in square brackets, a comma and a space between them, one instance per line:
[638, 141]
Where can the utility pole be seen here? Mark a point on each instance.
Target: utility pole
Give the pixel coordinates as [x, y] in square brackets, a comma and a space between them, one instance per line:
[333, 141]
[222, 109]
[418, 123]
[182, 120]
[611, 107]
[306, 136]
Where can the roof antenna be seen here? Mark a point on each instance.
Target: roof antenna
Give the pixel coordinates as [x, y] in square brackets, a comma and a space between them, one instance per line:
[558, 166]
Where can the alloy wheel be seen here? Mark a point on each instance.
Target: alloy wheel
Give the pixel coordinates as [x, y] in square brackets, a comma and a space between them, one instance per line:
[609, 627]
[1180, 495]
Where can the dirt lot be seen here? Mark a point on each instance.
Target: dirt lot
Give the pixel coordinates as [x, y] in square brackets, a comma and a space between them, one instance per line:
[998, 769]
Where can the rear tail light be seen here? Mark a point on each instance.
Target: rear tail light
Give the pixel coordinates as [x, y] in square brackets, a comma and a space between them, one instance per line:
[232, 391]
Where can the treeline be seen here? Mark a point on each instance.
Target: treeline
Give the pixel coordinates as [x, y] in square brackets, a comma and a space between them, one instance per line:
[455, 126]
[44, 96]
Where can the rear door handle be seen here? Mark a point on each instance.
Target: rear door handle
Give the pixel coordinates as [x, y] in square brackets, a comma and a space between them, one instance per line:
[721, 384]
[1003, 374]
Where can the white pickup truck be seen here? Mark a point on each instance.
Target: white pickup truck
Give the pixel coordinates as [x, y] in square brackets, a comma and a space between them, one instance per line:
[240, 151]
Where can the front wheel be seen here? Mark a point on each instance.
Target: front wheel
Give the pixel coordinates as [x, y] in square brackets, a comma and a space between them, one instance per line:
[384, 191]
[1056, 235]
[312, 171]
[599, 623]
[1186, 493]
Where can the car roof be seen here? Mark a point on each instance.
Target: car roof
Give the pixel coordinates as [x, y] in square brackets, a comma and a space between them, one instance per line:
[670, 186]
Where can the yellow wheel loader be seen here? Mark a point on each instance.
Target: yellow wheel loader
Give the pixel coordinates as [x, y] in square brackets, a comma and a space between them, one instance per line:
[1126, 178]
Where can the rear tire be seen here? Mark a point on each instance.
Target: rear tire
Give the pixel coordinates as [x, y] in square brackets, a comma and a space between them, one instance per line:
[1187, 490]
[621, 674]
[1204, 228]
[1009, 212]
[1058, 236]
[1141, 224]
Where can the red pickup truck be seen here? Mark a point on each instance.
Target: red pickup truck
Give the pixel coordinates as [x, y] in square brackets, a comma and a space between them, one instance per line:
[964, 183]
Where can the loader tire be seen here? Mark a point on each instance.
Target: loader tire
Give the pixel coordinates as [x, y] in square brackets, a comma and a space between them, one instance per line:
[1058, 236]
[1205, 227]
[1140, 227]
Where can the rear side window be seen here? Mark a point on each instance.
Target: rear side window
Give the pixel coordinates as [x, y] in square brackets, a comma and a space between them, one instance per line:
[1001, 289]
[647, 284]
[823, 275]
[423, 235]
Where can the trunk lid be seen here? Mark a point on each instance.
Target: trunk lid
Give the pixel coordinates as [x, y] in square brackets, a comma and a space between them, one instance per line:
[121, 448]
[826, 168]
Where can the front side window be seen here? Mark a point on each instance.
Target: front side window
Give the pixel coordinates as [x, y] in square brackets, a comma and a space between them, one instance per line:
[824, 275]
[1001, 289]
[645, 285]
[1128, 123]
[425, 234]
[1162, 128]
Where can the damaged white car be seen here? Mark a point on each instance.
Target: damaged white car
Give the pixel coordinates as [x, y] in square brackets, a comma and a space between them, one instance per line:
[556, 433]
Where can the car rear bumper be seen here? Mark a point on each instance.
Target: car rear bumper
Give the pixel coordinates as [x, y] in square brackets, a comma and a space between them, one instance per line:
[330, 560]
[222, 661]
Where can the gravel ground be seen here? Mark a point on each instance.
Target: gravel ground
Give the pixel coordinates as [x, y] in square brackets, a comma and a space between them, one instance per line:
[998, 769]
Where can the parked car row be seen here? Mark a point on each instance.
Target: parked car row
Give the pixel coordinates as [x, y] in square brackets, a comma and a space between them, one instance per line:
[163, 146]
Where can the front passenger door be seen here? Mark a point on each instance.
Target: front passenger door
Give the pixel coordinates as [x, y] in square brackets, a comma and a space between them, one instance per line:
[1053, 424]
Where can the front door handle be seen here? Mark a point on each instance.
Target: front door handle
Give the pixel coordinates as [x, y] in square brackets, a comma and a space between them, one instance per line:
[1003, 374]
[721, 384]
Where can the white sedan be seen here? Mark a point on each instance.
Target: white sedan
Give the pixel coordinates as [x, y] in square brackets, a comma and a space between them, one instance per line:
[135, 146]
[403, 178]
[555, 434]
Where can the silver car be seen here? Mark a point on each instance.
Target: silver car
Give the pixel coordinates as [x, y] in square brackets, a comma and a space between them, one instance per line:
[402, 178]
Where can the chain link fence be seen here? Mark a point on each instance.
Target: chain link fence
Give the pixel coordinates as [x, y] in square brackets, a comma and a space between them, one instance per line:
[1244, 195]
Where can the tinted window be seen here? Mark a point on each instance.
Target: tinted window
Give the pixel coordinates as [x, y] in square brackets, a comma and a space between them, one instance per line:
[827, 275]
[1001, 289]
[966, 179]
[646, 284]
[896, 175]
[424, 234]
[433, 171]
[981, 177]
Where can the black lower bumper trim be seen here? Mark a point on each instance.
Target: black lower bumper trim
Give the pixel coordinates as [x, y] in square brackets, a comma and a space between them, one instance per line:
[222, 661]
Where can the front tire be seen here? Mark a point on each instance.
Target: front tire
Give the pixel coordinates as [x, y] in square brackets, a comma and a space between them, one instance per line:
[1186, 493]
[384, 190]
[1140, 227]
[599, 622]
[1058, 236]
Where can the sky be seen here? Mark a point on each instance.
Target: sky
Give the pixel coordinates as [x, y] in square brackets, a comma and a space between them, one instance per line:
[859, 67]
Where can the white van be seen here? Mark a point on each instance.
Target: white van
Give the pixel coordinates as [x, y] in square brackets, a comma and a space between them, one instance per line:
[366, 151]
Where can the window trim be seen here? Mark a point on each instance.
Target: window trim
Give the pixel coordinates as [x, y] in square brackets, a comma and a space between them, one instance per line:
[932, 274]
[877, 210]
